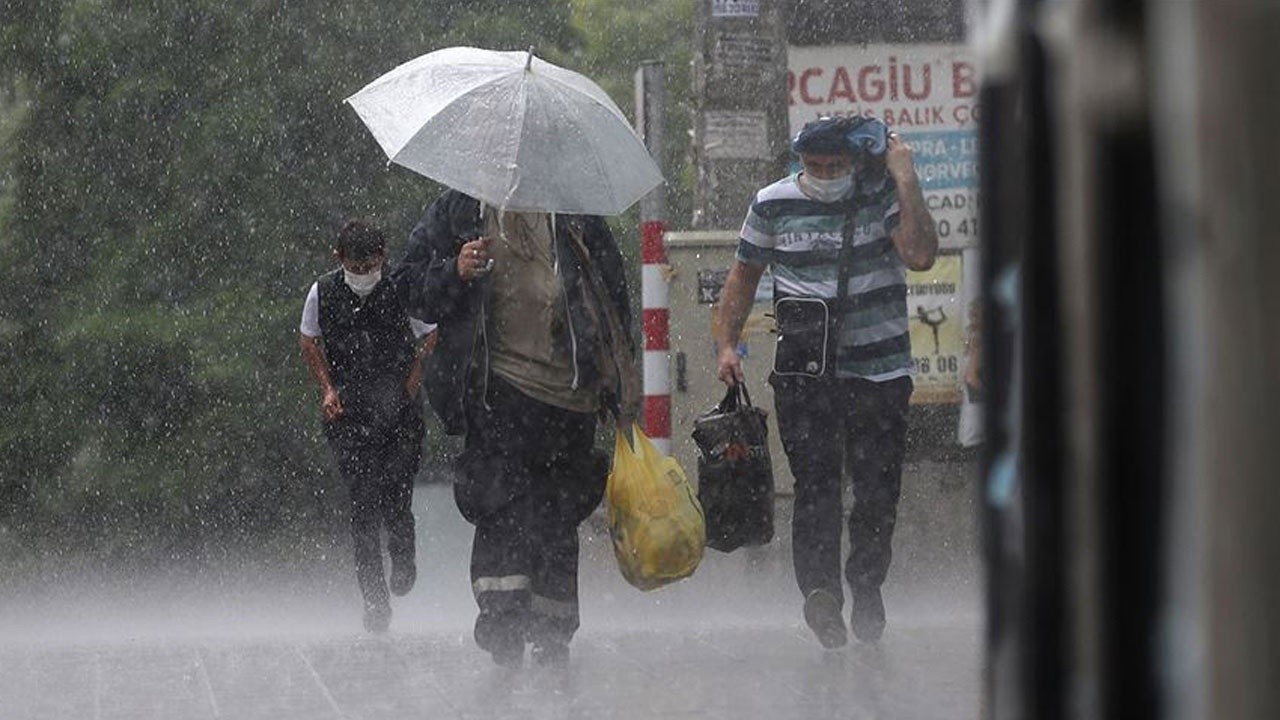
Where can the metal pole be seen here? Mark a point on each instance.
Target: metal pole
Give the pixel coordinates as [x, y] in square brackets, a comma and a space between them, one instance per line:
[650, 101]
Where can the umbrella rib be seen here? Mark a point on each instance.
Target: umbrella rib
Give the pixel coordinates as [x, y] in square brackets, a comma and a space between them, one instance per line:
[523, 112]
[595, 155]
[611, 106]
[427, 124]
[564, 89]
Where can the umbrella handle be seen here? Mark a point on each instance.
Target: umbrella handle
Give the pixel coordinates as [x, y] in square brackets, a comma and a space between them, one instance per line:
[528, 61]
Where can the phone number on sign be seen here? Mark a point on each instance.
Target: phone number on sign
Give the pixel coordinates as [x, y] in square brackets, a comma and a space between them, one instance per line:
[939, 365]
[967, 227]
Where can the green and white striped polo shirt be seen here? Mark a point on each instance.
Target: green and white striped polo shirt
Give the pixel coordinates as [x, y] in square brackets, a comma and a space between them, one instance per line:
[800, 239]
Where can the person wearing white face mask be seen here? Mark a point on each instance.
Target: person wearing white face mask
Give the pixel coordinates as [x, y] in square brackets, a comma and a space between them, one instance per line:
[365, 353]
[362, 283]
[839, 237]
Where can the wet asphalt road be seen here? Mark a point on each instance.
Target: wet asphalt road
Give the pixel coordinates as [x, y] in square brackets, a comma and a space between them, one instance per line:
[727, 643]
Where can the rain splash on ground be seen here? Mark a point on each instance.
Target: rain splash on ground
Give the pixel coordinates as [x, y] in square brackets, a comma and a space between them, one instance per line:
[727, 643]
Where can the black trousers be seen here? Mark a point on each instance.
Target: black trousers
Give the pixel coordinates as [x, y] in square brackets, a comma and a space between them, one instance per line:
[379, 468]
[828, 426]
[529, 476]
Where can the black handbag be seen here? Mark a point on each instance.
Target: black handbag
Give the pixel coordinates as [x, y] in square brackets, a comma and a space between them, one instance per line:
[735, 474]
[806, 331]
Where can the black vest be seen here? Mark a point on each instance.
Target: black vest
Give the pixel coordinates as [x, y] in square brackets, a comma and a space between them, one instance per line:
[369, 346]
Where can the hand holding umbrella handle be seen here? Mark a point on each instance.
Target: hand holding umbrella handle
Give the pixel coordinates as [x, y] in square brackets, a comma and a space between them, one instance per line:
[473, 259]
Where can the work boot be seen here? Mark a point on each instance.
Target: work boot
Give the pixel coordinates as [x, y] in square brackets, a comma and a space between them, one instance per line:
[867, 615]
[822, 614]
[377, 616]
[504, 642]
[403, 575]
[550, 653]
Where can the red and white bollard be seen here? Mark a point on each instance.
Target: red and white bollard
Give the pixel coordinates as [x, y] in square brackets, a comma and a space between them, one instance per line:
[650, 99]
[657, 375]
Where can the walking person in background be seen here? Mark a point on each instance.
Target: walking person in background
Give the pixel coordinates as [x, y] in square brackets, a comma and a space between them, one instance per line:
[535, 342]
[359, 344]
[839, 237]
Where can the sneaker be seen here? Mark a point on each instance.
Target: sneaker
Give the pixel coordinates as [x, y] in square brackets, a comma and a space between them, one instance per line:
[867, 616]
[550, 653]
[377, 616]
[403, 575]
[822, 614]
[506, 646]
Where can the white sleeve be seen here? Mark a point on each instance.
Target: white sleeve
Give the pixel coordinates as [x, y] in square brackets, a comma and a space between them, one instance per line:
[311, 313]
[420, 329]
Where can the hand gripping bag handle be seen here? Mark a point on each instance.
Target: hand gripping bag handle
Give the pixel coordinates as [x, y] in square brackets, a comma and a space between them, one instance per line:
[744, 401]
[735, 398]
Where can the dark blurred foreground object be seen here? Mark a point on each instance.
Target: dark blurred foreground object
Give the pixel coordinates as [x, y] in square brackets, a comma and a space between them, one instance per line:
[735, 472]
[1129, 187]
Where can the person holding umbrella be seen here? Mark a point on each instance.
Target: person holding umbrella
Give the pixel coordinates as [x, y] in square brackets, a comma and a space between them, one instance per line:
[522, 274]
[536, 341]
[358, 343]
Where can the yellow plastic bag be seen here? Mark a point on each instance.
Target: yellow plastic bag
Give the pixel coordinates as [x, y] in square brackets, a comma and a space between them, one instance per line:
[654, 517]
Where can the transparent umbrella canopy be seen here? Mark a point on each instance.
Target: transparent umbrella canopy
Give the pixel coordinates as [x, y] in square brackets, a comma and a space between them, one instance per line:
[510, 129]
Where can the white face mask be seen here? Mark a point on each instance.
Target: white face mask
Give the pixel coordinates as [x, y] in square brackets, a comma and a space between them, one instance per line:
[362, 285]
[827, 190]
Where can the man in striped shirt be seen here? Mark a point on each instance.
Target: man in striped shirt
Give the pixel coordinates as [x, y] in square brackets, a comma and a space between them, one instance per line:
[839, 237]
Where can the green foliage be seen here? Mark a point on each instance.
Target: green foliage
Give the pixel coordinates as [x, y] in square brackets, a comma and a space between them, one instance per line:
[171, 175]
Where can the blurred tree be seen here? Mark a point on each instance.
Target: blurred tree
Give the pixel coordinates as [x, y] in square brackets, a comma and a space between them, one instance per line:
[837, 22]
[172, 175]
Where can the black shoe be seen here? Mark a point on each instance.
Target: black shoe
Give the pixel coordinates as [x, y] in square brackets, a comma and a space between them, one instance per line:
[377, 616]
[867, 616]
[403, 575]
[505, 645]
[550, 653]
[822, 614]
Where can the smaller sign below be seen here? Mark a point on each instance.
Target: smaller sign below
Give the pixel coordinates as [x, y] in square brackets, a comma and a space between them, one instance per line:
[710, 283]
[736, 135]
[937, 341]
[735, 8]
[741, 51]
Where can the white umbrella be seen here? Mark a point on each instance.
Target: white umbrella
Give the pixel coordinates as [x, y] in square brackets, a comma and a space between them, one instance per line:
[509, 129]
